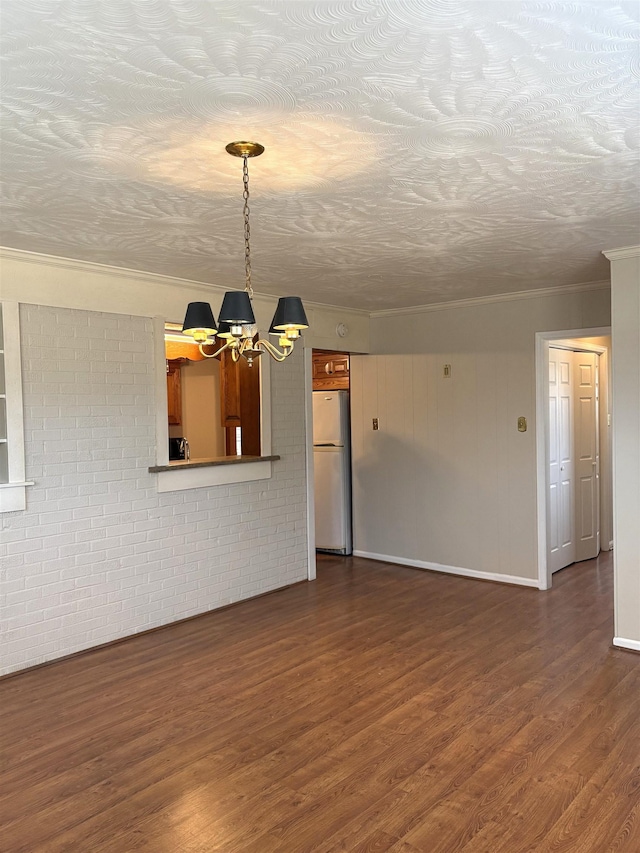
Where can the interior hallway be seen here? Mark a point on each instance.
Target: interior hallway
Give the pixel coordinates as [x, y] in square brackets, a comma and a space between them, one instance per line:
[380, 708]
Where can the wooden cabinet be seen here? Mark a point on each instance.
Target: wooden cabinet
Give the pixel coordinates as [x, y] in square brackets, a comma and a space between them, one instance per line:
[240, 403]
[330, 370]
[174, 391]
[230, 391]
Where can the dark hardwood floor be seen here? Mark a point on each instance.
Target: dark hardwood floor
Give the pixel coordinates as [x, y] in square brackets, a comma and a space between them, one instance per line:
[378, 709]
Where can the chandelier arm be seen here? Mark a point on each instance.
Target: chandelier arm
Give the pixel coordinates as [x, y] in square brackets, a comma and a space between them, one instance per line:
[212, 354]
[273, 351]
[245, 344]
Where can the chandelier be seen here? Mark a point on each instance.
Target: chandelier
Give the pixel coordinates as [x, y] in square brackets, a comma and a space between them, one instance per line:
[236, 324]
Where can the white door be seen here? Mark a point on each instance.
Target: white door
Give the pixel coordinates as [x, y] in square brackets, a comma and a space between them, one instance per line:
[587, 457]
[560, 504]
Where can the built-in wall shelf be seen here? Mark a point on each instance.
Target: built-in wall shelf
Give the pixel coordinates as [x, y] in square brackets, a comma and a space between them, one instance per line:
[12, 466]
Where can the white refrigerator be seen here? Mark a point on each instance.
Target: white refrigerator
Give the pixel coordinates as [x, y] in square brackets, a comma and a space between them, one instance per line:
[332, 471]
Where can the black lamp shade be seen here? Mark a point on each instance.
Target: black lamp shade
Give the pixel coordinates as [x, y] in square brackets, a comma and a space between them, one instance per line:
[289, 315]
[199, 317]
[236, 308]
[280, 332]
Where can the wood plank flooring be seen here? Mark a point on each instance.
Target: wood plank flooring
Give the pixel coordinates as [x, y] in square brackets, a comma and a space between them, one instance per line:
[378, 709]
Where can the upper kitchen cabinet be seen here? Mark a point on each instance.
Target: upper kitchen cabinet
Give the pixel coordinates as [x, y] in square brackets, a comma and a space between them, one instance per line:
[330, 370]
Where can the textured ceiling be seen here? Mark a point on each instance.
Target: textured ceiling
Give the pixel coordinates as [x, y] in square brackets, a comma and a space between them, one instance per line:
[418, 151]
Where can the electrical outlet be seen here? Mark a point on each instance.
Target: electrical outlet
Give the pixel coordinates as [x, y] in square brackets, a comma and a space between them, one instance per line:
[375, 424]
[446, 371]
[522, 424]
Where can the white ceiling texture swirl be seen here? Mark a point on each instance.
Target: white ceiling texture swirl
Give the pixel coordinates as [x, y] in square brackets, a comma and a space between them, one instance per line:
[417, 151]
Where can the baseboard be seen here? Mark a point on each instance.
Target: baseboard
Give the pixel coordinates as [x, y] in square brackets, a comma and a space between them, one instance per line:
[449, 570]
[81, 652]
[621, 643]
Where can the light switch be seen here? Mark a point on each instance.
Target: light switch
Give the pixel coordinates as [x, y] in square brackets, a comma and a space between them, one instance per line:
[446, 371]
[522, 424]
[375, 423]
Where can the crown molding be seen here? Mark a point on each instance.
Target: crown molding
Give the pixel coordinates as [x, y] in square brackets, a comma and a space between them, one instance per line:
[498, 297]
[149, 278]
[343, 309]
[622, 252]
[59, 262]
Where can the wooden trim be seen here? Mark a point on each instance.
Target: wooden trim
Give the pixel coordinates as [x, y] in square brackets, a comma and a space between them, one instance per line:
[622, 253]
[311, 497]
[539, 293]
[473, 574]
[627, 645]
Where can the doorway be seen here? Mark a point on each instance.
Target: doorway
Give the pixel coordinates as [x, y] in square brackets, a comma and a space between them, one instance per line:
[326, 371]
[573, 501]
[332, 451]
[575, 516]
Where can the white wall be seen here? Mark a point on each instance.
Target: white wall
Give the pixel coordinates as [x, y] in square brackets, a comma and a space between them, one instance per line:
[48, 280]
[99, 554]
[625, 321]
[448, 479]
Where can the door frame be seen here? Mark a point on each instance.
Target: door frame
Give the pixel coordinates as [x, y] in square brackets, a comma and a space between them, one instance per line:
[543, 341]
[311, 499]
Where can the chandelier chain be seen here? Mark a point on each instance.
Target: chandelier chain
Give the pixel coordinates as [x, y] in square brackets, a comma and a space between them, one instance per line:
[247, 231]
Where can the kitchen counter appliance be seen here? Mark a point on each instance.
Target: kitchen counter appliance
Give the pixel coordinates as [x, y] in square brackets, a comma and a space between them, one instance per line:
[178, 449]
[332, 471]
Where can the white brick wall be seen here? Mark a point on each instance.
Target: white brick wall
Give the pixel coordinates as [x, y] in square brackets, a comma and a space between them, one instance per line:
[98, 554]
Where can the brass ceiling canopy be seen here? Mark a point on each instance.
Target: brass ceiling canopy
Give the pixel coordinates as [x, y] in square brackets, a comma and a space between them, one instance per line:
[244, 149]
